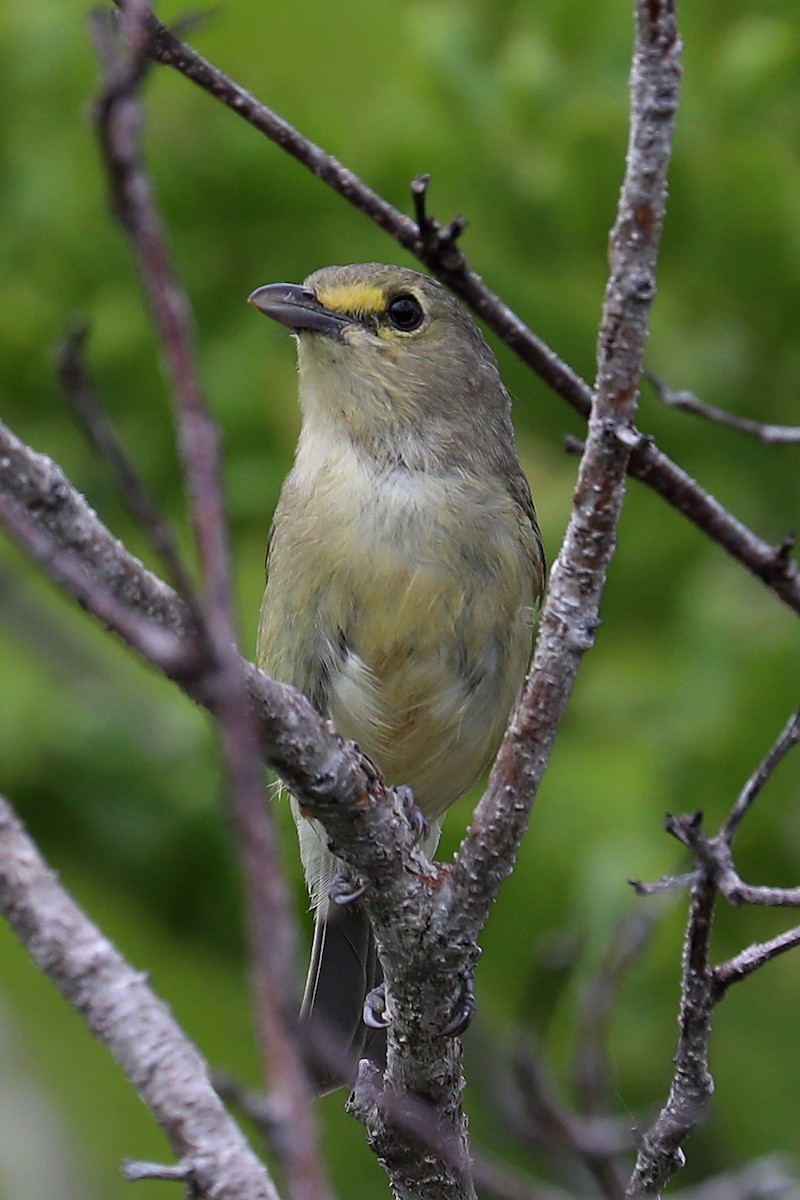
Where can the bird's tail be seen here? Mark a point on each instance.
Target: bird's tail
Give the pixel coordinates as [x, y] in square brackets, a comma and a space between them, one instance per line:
[344, 968]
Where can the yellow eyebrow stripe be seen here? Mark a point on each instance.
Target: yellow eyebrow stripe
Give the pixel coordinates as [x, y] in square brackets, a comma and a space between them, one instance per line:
[362, 299]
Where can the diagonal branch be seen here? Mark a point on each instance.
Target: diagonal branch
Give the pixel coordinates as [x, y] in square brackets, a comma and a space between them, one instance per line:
[367, 824]
[770, 435]
[272, 941]
[570, 613]
[100, 432]
[460, 900]
[787, 738]
[436, 248]
[120, 1010]
[83, 556]
[751, 959]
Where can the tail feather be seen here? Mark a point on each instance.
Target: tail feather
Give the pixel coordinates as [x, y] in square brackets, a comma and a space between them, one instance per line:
[344, 968]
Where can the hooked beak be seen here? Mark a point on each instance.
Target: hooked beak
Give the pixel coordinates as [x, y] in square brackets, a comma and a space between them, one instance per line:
[297, 308]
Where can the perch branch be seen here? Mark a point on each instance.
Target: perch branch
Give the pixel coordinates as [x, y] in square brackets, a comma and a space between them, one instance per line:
[570, 613]
[119, 121]
[437, 249]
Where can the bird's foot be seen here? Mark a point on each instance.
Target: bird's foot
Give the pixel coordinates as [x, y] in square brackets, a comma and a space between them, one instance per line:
[462, 1013]
[415, 815]
[343, 889]
[376, 1014]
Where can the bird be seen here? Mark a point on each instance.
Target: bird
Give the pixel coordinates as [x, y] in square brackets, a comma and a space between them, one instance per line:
[404, 569]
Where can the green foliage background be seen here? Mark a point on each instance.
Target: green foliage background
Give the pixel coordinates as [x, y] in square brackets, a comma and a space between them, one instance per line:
[519, 112]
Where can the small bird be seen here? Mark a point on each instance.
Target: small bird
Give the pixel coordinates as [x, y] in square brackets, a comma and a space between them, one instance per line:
[404, 566]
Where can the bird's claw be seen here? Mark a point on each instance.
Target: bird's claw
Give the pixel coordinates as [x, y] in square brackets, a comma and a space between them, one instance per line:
[343, 890]
[415, 815]
[463, 1012]
[375, 1014]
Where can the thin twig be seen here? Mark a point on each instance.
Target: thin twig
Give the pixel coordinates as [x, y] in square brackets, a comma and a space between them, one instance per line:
[770, 435]
[751, 959]
[667, 883]
[437, 250]
[99, 430]
[134, 1170]
[737, 892]
[787, 738]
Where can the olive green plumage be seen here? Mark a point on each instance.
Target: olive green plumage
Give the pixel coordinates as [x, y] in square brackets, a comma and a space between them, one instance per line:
[404, 562]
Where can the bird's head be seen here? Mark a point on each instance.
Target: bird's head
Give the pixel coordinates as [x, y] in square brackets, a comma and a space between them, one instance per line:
[393, 355]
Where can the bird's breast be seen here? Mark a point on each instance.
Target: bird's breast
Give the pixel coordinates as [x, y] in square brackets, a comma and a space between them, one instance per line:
[408, 616]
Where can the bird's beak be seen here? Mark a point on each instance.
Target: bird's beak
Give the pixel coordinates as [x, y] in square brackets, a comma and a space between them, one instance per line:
[297, 308]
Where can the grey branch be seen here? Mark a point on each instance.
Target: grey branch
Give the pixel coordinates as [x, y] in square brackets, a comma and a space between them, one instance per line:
[444, 949]
[770, 435]
[660, 1155]
[368, 827]
[119, 121]
[570, 613]
[753, 957]
[121, 1010]
[787, 738]
[439, 252]
[703, 986]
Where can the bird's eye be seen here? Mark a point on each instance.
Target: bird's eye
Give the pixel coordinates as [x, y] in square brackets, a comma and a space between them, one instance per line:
[405, 312]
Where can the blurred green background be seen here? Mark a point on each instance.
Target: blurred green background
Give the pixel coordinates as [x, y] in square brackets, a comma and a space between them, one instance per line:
[519, 112]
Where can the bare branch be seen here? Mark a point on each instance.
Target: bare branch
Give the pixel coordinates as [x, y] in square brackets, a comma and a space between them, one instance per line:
[660, 1155]
[570, 613]
[122, 1012]
[101, 434]
[324, 770]
[770, 435]
[272, 941]
[667, 883]
[368, 824]
[749, 960]
[436, 249]
[788, 737]
[133, 1171]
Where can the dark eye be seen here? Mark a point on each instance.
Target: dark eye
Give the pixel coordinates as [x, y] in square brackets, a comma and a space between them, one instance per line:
[405, 312]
